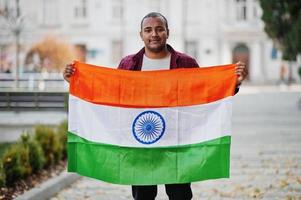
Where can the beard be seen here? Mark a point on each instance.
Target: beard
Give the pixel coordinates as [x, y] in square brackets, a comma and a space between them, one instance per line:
[157, 48]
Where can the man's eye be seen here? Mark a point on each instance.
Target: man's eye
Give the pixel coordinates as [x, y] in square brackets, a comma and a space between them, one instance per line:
[147, 30]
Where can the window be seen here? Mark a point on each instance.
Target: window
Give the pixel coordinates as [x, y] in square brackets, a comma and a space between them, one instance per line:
[50, 13]
[5, 60]
[241, 10]
[9, 7]
[274, 53]
[256, 14]
[117, 47]
[80, 9]
[92, 53]
[117, 9]
[191, 48]
[191, 9]
[81, 52]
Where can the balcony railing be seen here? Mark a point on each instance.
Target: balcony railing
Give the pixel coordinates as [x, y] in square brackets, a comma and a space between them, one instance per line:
[36, 91]
[49, 82]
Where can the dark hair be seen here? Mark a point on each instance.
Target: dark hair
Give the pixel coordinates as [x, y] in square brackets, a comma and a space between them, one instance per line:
[154, 14]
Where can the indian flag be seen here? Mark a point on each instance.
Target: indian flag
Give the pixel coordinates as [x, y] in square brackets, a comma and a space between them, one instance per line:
[150, 127]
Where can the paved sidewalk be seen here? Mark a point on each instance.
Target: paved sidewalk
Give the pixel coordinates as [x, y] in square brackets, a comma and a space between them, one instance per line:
[265, 157]
[253, 89]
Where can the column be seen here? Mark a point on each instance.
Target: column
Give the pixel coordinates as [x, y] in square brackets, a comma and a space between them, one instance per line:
[255, 68]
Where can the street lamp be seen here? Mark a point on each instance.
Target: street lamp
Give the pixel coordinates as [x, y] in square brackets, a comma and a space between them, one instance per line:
[16, 28]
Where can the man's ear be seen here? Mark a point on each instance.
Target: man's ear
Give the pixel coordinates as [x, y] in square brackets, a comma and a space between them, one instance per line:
[167, 33]
[141, 35]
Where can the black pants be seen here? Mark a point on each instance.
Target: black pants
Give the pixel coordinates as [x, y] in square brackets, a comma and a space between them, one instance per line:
[173, 191]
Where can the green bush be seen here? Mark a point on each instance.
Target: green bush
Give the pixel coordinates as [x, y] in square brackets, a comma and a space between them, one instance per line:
[62, 136]
[3, 147]
[25, 164]
[46, 147]
[16, 164]
[49, 142]
[2, 176]
[36, 156]
[299, 71]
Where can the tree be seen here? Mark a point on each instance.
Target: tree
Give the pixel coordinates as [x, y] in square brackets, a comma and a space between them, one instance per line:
[282, 20]
[52, 52]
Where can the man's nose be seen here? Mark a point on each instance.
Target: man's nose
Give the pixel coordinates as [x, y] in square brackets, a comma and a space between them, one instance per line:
[154, 33]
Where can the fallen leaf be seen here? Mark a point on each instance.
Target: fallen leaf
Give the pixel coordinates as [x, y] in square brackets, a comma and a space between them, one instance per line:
[255, 193]
[289, 197]
[283, 183]
[239, 188]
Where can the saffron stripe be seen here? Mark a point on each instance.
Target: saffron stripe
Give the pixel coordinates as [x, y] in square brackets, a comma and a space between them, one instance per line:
[149, 89]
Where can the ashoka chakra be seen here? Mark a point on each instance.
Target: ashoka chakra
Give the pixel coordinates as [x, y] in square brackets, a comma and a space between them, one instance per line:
[148, 127]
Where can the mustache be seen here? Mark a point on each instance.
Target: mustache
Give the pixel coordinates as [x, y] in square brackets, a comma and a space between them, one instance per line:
[154, 39]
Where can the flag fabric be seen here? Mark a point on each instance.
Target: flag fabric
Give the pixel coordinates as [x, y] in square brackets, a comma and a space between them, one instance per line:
[150, 127]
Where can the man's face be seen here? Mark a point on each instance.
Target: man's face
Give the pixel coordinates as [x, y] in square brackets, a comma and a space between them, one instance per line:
[154, 34]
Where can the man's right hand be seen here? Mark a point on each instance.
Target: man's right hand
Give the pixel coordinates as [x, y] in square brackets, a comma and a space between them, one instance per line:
[69, 71]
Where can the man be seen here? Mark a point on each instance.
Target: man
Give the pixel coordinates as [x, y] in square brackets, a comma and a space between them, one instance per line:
[157, 54]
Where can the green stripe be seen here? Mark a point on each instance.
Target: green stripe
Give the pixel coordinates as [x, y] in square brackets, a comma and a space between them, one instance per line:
[149, 166]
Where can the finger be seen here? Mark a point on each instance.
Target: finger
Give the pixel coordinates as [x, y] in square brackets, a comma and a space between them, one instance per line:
[69, 73]
[70, 68]
[71, 64]
[243, 71]
[238, 81]
[240, 67]
[239, 74]
[239, 71]
[240, 63]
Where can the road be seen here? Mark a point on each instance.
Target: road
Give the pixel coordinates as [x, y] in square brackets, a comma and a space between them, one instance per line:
[265, 155]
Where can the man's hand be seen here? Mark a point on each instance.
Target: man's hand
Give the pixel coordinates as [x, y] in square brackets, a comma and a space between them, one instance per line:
[69, 71]
[241, 72]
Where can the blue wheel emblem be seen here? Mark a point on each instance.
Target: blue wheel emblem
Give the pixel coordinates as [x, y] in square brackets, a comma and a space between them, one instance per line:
[148, 127]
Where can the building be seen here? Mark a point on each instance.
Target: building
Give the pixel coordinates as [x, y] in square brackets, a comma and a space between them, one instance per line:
[213, 31]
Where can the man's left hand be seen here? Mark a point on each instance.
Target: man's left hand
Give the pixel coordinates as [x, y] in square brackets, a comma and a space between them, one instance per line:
[241, 72]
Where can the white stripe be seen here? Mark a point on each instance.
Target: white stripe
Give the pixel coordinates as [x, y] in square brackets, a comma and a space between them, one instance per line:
[184, 125]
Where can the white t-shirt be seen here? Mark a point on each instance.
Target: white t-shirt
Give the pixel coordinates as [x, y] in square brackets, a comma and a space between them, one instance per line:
[149, 64]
